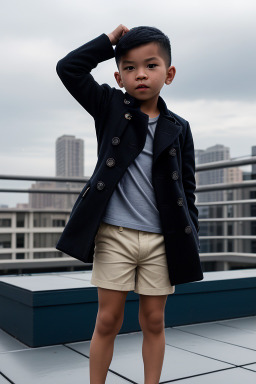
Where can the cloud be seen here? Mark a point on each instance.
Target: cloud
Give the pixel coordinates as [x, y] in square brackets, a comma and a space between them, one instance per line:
[227, 122]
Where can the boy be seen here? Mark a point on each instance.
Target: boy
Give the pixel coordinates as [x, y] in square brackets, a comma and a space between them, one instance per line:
[135, 218]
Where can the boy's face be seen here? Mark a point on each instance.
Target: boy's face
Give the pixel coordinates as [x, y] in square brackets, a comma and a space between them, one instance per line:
[143, 72]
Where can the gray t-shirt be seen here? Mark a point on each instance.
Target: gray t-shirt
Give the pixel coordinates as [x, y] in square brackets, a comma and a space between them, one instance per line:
[133, 203]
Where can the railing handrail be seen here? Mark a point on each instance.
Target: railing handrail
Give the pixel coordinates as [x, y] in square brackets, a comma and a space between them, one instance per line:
[225, 164]
[199, 189]
[45, 178]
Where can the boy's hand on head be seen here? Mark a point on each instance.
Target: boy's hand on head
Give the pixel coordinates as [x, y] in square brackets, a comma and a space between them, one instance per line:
[116, 35]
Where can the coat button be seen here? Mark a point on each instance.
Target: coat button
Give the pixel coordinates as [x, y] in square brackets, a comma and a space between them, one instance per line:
[180, 201]
[115, 141]
[172, 152]
[100, 185]
[110, 162]
[188, 229]
[175, 175]
[126, 101]
[128, 116]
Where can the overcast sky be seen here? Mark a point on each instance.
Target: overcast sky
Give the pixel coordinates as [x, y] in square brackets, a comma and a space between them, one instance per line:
[213, 48]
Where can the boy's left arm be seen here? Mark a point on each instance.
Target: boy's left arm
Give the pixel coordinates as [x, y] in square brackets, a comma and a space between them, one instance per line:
[188, 175]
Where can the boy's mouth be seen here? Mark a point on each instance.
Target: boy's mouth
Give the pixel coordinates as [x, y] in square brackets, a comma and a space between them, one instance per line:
[141, 86]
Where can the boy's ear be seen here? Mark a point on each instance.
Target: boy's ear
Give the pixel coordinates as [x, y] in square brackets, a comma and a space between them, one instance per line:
[118, 79]
[171, 71]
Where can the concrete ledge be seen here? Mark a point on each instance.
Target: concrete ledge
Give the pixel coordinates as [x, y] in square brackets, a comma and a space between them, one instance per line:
[55, 308]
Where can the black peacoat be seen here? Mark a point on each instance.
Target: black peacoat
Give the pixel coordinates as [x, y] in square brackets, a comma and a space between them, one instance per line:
[121, 130]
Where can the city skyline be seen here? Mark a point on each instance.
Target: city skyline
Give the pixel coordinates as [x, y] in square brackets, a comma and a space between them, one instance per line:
[213, 88]
[15, 197]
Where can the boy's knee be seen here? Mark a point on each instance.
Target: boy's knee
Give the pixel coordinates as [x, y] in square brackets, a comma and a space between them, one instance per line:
[108, 323]
[153, 322]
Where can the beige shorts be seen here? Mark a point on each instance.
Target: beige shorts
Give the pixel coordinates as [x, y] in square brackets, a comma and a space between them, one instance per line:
[126, 259]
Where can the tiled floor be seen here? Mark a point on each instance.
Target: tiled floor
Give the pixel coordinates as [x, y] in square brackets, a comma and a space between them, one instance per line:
[208, 353]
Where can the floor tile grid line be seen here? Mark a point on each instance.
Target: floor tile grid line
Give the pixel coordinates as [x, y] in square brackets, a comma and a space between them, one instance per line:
[208, 357]
[110, 370]
[7, 378]
[199, 374]
[220, 341]
[232, 326]
[16, 350]
[29, 349]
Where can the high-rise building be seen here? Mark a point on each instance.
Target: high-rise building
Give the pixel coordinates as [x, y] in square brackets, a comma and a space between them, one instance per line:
[69, 163]
[218, 227]
[69, 156]
[217, 152]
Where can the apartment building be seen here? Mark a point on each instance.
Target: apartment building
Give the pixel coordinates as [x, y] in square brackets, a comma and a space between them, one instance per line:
[30, 234]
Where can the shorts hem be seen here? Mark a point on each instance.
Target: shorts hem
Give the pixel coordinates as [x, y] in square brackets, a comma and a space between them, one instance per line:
[155, 291]
[110, 285]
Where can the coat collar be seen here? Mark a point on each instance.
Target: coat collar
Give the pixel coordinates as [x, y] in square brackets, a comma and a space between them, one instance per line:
[167, 130]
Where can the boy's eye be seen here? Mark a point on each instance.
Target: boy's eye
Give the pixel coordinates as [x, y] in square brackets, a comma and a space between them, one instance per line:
[129, 68]
[151, 66]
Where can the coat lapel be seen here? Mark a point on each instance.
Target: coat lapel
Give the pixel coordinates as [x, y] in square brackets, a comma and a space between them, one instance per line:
[167, 131]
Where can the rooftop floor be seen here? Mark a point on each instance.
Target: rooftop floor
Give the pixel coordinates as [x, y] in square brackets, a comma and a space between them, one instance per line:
[206, 353]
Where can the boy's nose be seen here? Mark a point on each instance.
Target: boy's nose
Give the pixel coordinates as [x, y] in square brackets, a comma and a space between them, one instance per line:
[141, 76]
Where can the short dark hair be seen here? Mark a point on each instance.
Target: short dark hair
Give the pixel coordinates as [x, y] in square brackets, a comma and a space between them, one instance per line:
[143, 35]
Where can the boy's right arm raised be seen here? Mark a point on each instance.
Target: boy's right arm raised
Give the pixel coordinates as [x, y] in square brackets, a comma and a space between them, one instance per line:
[74, 71]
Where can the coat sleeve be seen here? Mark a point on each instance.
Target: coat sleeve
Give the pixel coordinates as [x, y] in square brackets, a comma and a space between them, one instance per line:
[74, 71]
[188, 175]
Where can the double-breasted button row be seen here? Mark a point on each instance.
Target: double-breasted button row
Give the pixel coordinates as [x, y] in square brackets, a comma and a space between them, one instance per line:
[188, 229]
[172, 152]
[128, 116]
[100, 185]
[110, 162]
[175, 175]
[115, 141]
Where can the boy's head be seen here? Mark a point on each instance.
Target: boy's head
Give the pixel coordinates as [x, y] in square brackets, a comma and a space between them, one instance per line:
[143, 35]
[143, 57]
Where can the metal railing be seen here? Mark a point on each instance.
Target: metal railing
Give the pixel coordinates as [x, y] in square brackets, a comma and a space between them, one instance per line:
[227, 256]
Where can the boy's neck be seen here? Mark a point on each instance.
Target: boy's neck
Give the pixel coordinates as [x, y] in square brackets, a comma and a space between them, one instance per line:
[150, 108]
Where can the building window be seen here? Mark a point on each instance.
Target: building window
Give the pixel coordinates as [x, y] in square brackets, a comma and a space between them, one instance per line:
[49, 220]
[20, 255]
[230, 246]
[230, 229]
[219, 246]
[20, 220]
[46, 240]
[253, 210]
[43, 255]
[219, 212]
[5, 256]
[5, 240]
[230, 210]
[219, 229]
[253, 228]
[253, 246]
[229, 195]
[58, 223]
[252, 194]
[5, 223]
[20, 240]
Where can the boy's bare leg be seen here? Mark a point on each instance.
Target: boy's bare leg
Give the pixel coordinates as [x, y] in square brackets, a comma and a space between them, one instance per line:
[108, 323]
[151, 317]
